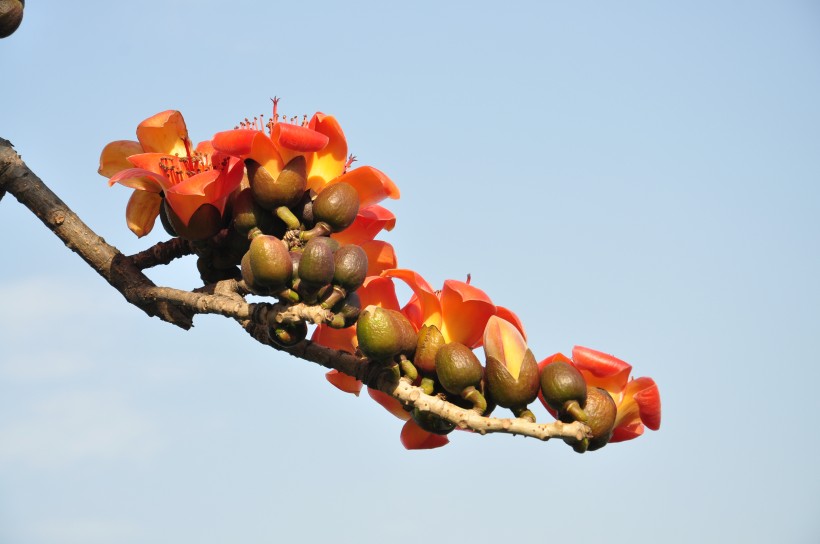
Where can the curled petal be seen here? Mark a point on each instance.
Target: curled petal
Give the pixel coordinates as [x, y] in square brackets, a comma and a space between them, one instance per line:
[426, 308]
[465, 310]
[380, 256]
[292, 140]
[139, 178]
[601, 369]
[378, 291]
[249, 144]
[639, 405]
[341, 339]
[114, 156]
[509, 315]
[346, 383]
[372, 185]
[369, 222]
[389, 403]
[141, 212]
[414, 437]
[329, 162]
[164, 132]
[645, 393]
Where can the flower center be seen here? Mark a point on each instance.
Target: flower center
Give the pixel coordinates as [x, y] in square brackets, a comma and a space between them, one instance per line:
[261, 124]
[177, 169]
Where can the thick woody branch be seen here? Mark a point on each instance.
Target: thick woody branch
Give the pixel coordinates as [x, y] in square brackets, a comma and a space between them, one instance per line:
[119, 271]
[225, 298]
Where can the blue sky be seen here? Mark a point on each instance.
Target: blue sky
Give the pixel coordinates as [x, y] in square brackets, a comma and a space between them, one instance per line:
[640, 179]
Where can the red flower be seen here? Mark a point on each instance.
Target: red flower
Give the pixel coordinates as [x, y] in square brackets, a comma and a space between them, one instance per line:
[164, 162]
[323, 145]
[638, 400]
[459, 310]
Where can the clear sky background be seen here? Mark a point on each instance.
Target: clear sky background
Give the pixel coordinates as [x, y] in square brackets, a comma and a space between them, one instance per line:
[636, 177]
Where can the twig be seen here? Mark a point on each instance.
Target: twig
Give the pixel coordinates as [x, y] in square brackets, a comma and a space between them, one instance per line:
[162, 253]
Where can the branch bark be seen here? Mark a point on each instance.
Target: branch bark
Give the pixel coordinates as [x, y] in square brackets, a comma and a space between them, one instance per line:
[225, 298]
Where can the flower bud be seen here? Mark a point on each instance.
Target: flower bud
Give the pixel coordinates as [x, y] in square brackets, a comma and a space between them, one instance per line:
[430, 340]
[249, 215]
[383, 333]
[316, 265]
[269, 262]
[350, 267]
[286, 190]
[512, 373]
[337, 206]
[458, 368]
[432, 423]
[564, 390]
[11, 15]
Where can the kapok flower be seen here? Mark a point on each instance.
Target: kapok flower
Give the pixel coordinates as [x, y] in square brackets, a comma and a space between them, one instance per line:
[459, 310]
[323, 145]
[163, 163]
[638, 399]
[512, 373]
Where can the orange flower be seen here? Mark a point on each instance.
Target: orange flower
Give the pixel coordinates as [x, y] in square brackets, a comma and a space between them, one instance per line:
[323, 145]
[163, 163]
[638, 400]
[459, 310]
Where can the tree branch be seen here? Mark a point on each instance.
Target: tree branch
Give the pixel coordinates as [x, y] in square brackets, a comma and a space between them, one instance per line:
[225, 298]
[17, 179]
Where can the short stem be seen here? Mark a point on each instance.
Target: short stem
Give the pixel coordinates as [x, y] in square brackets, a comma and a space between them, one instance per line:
[408, 368]
[474, 396]
[574, 409]
[321, 229]
[285, 214]
[288, 295]
[523, 413]
[428, 386]
[336, 296]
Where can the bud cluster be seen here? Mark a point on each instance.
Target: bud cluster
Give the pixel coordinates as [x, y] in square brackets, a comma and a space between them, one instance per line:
[279, 235]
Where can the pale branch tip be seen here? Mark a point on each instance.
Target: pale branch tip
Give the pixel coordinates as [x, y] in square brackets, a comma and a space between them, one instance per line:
[226, 298]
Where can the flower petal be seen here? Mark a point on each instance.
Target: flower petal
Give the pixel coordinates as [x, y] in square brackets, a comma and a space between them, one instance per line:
[372, 185]
[389, 403]
[426, 310]
[141, 212]
[249, 144]
[113, 157]
[380, 256]
[601, 369]
[368, 224]
[378, 291]
[414, 437]
[152, 162]
[292, 140]
[639, 405]
[329, 162]
[185, 198]
[341, 339]
[139, 178]
[509, 315]
[465, 310]
[648, 397]
[503, 341]
[164, 132]
[346, 383]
